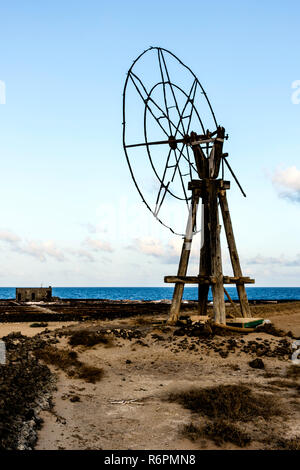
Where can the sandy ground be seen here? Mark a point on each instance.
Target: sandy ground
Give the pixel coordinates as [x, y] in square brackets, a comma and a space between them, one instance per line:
[128, 409]
[27, 330]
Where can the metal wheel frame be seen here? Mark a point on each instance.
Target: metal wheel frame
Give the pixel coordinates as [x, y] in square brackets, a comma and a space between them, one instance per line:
[131, 76]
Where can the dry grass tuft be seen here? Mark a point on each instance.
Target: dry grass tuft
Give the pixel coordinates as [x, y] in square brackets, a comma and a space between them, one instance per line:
[61, 358]
[233, 402]
[68, 362]
[289, 444]
[89, 373]
[191, 431]
[270, 329]
[140, 321]
[38, 325]
[88, 338]
[219, 432]
[293, 371]
[283, 383]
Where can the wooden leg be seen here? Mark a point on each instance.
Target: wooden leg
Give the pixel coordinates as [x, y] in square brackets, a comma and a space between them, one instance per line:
[205, 264]
[216, 260]
[245, 309]
[183, 263]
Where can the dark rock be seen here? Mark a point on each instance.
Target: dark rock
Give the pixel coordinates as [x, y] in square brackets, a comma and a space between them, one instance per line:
[75, 398]
[257, 363]
[157, 337]
[179, 332]
[223, 354]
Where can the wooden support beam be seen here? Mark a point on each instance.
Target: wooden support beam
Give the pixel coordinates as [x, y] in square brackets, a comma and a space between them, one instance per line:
[183, 263]
[245, 309]
[199, 184]
[205, 259]
[190, 279]
[215, 252]
[238, 280]
[208, 280]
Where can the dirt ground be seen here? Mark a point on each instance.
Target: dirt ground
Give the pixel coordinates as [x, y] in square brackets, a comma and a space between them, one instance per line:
[144, 362]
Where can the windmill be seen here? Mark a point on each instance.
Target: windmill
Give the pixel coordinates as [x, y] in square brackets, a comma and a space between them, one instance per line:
[170, 131]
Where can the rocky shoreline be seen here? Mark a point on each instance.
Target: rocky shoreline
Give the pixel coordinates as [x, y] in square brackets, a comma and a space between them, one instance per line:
[26, 388]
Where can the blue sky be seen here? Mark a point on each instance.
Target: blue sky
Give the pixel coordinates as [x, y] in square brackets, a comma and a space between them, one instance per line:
[70, 214]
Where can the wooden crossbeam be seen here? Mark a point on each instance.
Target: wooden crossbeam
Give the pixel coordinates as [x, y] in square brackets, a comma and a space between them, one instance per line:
[190, 279]
[238, 280]
[199, 184]
[208, 280]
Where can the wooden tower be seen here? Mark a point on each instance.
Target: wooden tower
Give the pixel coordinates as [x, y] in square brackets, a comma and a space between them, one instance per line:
[211, 191]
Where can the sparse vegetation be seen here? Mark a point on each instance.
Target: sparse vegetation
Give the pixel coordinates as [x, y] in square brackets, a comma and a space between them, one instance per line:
[89, 373]
[140, 321]
[68, 362]
[270, 329]
[191, 431]
[283, 383]
[293, 371]
[234, 367]
[39, 325]
[233, 402]
[219, 431]
[88, 338]
[289, 444]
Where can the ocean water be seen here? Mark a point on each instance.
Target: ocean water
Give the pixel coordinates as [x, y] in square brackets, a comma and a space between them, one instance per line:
[158, 293]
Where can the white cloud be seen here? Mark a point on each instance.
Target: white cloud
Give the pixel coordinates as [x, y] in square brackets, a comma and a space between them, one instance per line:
[42, 250]
[168, 253]
[10, 237]
[269, 260]
[81, 253]
[287, 183]
[36, 249]
[97, 245]
[148, 246]
[91, 228]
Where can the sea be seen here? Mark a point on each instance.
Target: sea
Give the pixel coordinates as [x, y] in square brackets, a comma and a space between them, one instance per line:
[158, 293]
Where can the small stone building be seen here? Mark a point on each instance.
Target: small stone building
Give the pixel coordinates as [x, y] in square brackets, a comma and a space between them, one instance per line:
[33, 294]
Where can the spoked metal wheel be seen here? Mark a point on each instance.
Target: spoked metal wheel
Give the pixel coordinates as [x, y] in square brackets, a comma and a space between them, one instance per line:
[158, 118]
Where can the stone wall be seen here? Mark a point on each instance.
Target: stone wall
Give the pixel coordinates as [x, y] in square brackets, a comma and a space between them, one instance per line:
[33, 294]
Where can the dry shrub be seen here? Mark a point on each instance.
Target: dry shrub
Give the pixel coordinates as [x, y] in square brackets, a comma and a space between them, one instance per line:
[140, 321]
[219, 431]
[289, 444]
[270, 329]
[269, 375]
[88, 338]
[61, 358]
[233, 402]
[191, 431]
[293, 371]
[89, 373]
[39, 325]
[232, 366]
[281, 383]
[68, 362]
